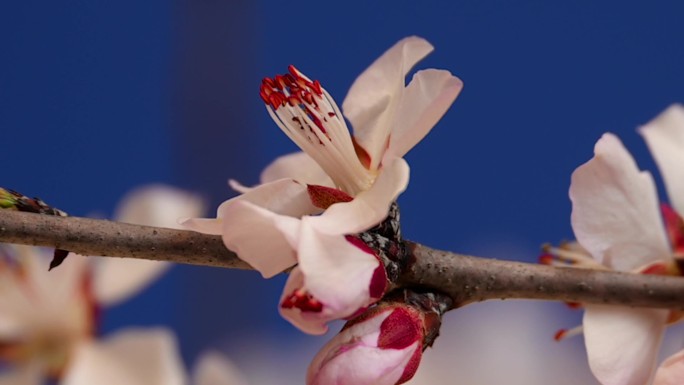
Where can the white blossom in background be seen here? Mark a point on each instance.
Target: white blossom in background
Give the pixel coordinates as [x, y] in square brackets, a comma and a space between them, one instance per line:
[310, 203]
[48, 320]
[617, 219]
[503, 342]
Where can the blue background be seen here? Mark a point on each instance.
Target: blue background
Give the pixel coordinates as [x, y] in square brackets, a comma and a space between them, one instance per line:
[99, 97]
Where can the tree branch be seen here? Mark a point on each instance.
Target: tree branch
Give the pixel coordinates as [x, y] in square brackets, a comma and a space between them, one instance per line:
[466, 279]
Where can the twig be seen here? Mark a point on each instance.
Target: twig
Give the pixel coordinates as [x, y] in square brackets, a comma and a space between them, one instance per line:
[466, 279]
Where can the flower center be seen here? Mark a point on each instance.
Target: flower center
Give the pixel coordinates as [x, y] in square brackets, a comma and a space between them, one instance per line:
[303, 301]
[309, 116]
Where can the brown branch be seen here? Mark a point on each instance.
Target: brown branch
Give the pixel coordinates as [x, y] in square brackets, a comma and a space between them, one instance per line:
[466, 279]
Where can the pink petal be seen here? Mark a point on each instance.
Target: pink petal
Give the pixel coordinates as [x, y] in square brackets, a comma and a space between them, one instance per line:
[671, 372]
[284, 197]
[131, 357]
[353, 368]
[260, 237]
[373, 100]
[615, 213]
[39, 300]
[260, 224]
[369, 207]
[237, 186]
[117, 279]
[211, 226]
[298, 166]
[623, 343]
[335, 272]
[308, 322]
[426, 99]
[158, 205]
[665, 138]
[215, 369]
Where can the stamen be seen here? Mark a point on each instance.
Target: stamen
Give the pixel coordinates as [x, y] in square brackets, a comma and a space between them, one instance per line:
[568, 254]
[309, 116]
[566, 333]
[302, 300]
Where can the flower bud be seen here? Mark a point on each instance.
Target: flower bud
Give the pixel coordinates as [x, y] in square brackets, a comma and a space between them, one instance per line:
[383, 346]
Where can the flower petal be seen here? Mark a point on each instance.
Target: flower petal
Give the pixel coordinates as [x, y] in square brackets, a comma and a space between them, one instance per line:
[368, 208]
[298, 166]
[615, 213]
[671, 372]
[335, 272]
[353, 357]
[426, 99]
[215, 369]
[665, 138]
[211, 226]
[158, 205]
[284, 197]
[260, 237]
[352, 368]
[24, 375]
[131, 357]
[372, 102]
[116, 279]
[622, 343]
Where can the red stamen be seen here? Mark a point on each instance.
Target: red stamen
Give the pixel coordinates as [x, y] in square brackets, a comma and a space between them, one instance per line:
[546, 259]
[303, 301]
[560, 334]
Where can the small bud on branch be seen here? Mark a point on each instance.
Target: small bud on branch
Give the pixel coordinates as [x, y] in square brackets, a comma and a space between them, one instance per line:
[464, 278]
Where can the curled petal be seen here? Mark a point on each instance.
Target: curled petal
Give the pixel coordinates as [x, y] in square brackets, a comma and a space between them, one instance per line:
[369, 207]
[131, 357]
[373, 100]
[260, 237]
[665, 138]
[211, 226]
[215, 369]
[671, 372]
[298, 166]
[335, 272]
[284, 197]
[426, 99]
[615, 212]
[622, 344]
[237, 186]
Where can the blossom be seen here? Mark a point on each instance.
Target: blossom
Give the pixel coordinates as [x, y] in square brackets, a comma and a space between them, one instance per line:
[382, 346]
[49, 320]
[616, 218]
[309, 203]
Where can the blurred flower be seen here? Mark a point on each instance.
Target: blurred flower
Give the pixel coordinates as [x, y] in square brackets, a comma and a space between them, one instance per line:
[382, 346]
[214, 368]
[350, 182]
[617, 220]
[48, 320]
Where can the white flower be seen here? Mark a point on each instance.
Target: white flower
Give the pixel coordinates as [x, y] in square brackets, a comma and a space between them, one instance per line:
[350, 182]
[48, 320]
[616, 218]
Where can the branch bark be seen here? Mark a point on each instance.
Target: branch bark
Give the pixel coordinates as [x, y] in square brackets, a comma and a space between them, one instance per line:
[465, 278]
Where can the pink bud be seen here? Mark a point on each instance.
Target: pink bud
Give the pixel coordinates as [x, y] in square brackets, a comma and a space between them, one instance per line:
[381, 347]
